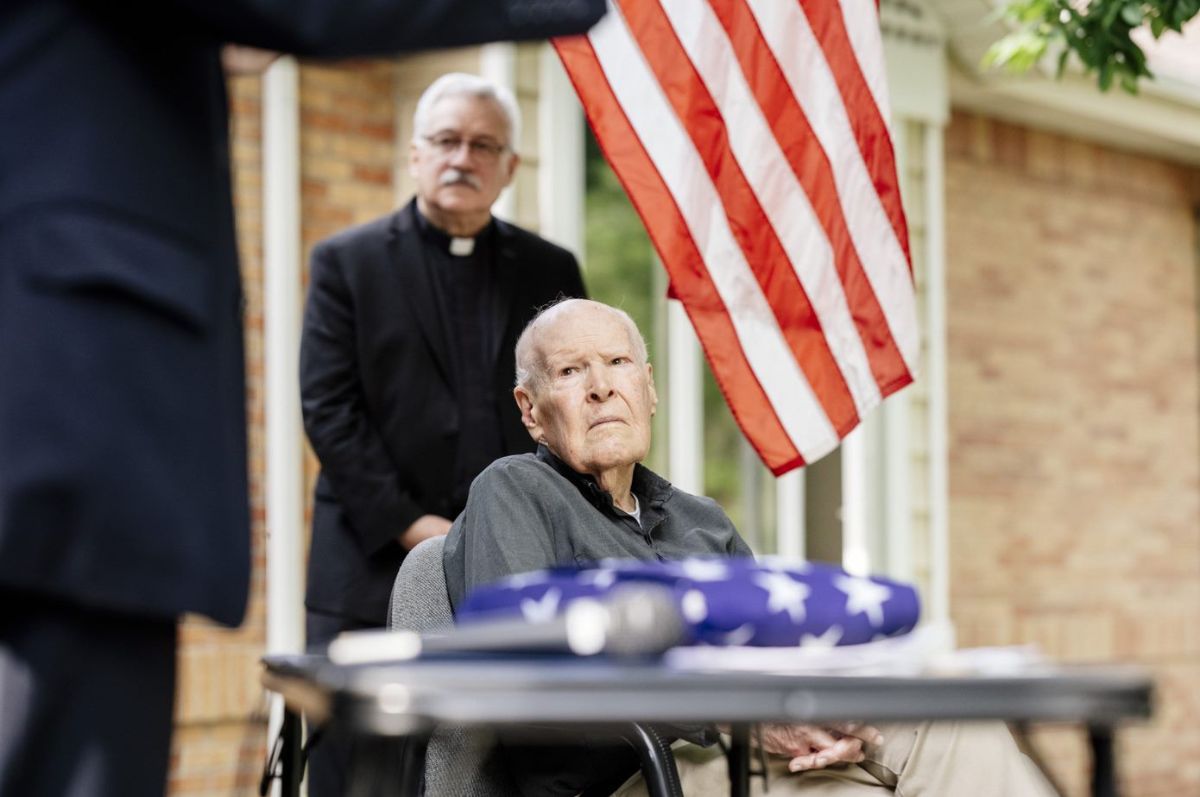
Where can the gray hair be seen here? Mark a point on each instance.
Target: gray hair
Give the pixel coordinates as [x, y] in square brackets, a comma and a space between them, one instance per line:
[460, 84]
[531, 366]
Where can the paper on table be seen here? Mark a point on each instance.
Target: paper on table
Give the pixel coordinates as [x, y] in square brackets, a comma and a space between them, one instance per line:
[923, 651]
[373, 646]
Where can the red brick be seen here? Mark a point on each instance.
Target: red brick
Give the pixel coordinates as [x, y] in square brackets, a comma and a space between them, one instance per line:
[1074, 431]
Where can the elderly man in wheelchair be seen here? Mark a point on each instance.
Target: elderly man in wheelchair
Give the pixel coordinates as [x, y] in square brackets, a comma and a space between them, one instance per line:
[586, 393]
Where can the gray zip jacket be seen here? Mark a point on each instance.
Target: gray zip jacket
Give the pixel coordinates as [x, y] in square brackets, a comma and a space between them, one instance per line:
[531, 511]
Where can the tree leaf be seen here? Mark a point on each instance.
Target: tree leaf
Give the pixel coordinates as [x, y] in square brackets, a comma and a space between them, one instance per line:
[1132, 14]
[1110, 13]
[1017, 51]
[1062, 62]
[1099, 32]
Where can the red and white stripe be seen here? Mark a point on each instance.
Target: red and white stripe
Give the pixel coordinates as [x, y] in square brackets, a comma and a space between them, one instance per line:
[751, 138]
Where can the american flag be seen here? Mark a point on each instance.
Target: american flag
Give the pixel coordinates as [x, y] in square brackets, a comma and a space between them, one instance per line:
[770, 602]
[751, 137]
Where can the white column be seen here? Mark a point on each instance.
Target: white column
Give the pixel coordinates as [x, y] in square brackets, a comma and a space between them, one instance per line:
[281, 343]
[897, 504]
[856, 551]
[498, 63]
[750, 479]
[895, 534]
[685, 390]
[939, 500]
[561, 168]
[790, 532]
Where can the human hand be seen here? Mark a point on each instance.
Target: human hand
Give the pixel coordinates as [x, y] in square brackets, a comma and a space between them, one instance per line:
[238, 59]
[423, 528]
[816, 747]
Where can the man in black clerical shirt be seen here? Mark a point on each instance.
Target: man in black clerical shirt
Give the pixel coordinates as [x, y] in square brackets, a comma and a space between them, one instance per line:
[406, 360]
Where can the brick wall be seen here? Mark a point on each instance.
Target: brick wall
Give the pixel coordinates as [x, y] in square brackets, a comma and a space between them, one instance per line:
[1075, 422]
[347, 145]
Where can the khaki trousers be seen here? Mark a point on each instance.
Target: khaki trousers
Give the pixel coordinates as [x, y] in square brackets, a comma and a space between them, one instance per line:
[945, 759]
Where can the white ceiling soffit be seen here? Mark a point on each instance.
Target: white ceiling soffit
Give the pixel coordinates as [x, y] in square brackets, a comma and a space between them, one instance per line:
[1163, 120]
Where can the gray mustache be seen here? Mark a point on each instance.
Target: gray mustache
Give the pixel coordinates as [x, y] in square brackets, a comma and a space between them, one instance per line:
[459, 177]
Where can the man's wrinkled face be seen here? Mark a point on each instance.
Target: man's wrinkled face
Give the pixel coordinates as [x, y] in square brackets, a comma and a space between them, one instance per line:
[594, 402]
[461, 161]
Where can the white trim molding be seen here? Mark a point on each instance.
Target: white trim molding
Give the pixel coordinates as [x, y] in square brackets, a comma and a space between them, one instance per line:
[561, 167]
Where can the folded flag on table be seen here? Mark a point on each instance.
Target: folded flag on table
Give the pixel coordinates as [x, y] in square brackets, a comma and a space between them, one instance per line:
[765, 602]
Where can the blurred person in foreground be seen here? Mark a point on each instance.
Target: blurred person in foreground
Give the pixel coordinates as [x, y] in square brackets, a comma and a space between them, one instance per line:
[586, 393]
[406, 362]
[123, 486]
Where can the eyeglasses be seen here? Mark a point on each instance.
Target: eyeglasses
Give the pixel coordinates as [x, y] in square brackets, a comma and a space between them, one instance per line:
[481, 148]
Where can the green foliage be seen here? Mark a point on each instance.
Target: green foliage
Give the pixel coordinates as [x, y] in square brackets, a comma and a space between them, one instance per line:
[620, 259]
[1097, 32]
[722, 440]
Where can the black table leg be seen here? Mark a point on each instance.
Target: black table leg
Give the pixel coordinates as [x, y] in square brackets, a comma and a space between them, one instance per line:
[1104, 776]
[739, 760]
[291, 754]
[412, 773]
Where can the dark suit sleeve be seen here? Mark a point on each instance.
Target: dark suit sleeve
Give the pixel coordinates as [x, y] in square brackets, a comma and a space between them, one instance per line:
[368, 27]
[352, 454]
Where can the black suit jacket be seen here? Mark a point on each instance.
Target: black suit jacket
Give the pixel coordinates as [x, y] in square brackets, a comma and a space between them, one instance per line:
[122, 439]
[378, 394]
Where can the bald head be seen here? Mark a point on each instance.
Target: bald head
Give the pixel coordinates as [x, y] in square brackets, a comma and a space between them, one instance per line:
[530, 352]
[586, 391]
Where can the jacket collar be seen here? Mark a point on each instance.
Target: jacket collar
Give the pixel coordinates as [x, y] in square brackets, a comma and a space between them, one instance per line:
[651, 489]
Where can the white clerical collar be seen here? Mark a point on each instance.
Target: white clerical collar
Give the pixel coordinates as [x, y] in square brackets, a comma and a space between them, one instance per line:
[462, 247]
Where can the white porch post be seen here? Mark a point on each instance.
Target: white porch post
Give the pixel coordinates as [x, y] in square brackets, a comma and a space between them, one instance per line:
[790, 533]
[856, 552]
[281, 343]
[894, 538]
[915, 50]
[685, 421]
[561, 166]
[939, 493]
[498, 63]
